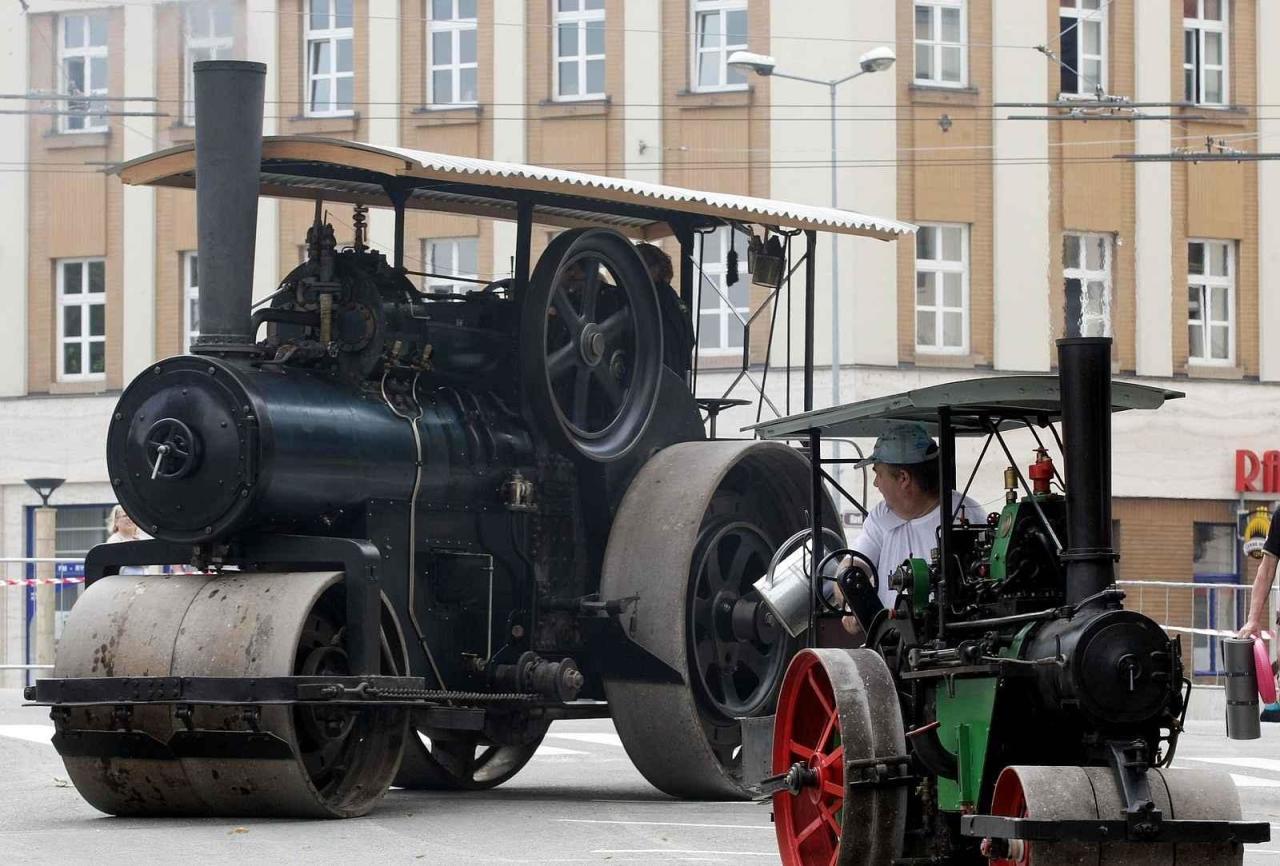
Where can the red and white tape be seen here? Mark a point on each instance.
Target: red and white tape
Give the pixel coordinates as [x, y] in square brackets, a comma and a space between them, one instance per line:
[39, 581]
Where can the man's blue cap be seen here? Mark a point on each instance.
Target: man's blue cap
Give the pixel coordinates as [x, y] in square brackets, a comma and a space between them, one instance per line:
[902, 443]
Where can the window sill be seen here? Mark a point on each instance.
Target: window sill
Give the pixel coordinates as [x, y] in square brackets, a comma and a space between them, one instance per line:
[182, 133]
[948, 360]
[941, 94]
[84, 386]
[71, 140]
[345, 123]
[1197, 370]
[446, 115]
[731, 361]
[553, 108]
[1231, 115]
[741, 97]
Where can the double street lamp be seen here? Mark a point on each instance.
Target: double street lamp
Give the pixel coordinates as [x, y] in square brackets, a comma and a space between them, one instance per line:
[875, 60]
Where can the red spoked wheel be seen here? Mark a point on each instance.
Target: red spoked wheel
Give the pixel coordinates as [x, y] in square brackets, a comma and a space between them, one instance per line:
[837, 706]
[1049, 793]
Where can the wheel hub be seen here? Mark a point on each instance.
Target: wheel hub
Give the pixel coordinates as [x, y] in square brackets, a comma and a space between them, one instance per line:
[591, 344]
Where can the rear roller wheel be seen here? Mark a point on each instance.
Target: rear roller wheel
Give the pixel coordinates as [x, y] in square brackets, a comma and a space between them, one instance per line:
[693, 534]
[464, 761]
[1083, 793]
[837, 706]
[302, 760]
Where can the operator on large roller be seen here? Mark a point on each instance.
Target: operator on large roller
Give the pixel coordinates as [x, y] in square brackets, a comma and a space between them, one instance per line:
[905, 523]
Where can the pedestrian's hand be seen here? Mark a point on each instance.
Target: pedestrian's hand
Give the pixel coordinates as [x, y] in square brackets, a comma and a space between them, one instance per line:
[1249, 630]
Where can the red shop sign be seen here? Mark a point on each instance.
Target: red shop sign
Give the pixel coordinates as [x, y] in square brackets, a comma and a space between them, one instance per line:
[1256, 474]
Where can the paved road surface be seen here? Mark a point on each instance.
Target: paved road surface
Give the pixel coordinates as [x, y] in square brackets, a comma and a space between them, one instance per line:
[578, 801]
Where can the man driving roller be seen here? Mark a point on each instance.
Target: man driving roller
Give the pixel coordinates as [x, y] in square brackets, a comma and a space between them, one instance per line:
[905, 523]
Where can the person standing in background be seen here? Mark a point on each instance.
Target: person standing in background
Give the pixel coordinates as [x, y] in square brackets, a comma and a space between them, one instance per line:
[120, 527]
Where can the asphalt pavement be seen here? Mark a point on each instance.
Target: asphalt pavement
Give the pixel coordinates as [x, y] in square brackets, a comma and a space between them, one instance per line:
[578, 801]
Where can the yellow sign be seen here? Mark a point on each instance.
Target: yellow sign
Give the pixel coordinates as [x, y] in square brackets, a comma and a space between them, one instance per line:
[1256, 526]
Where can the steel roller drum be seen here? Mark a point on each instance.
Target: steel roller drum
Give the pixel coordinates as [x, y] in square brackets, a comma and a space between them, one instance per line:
[300, 762]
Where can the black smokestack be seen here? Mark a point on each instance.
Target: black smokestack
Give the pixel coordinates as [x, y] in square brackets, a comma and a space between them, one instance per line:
[1084, 376]
[229, 98]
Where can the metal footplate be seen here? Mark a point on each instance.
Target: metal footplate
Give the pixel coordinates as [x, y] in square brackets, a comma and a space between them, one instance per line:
[258, 691]
[1117, 830]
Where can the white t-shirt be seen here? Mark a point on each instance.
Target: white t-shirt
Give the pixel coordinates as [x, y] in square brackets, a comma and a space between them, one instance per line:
[887, 539]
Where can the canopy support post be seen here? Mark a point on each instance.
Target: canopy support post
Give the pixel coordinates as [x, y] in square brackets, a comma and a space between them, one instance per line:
[811, 250]
[947, 477]
[398, 196]
[524, 242]
[815, 521]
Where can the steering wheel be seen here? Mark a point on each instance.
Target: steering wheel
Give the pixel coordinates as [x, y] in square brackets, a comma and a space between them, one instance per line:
[844, 577]
[591, 343]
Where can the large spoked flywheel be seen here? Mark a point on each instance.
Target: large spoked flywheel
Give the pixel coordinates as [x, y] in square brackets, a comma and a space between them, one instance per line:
[301, 760]
[694, 532]
[838, 708]
[591, 343]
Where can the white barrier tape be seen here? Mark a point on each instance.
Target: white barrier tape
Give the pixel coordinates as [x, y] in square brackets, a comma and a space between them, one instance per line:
[39, 581]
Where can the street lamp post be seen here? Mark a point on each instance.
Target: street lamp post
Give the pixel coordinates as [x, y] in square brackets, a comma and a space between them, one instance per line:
[875, 60]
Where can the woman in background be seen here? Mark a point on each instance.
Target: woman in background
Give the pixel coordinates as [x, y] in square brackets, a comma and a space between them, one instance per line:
[121, 527]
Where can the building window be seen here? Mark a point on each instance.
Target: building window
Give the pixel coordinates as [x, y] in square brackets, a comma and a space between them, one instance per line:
[208, 33]
[942, 288]
[448, 259]
[1211, 302]
[82, 320]
[579, 49]
[1204, 57]
[1083, 24]
[451, 52]
[722, 308]
[1086, 284]
[940, 43]
[190, 300]
[82, 70]
[719, 29]
[330, 66]
[1213, 608]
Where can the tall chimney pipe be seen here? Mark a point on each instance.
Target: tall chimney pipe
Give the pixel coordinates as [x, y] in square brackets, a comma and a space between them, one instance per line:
[229, 100]
[1084, 376]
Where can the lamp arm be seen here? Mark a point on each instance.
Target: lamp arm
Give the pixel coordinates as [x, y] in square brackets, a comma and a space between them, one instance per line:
[776, 74]
[848, 77]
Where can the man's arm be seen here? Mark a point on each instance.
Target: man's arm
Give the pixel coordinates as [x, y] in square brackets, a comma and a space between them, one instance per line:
[1262, 580]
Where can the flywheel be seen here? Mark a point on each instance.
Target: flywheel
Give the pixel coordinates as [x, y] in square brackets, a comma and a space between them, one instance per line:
[591, 343]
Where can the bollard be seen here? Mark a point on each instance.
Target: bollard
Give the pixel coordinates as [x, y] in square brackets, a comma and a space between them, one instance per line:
[1241, 688]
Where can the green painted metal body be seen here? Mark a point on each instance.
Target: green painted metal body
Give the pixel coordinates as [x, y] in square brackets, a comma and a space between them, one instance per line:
[965, 709]
[999, 564]
[919, 584]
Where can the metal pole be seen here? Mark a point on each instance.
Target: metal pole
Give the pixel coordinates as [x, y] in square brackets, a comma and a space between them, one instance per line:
[46, 524]
[835, 266]
[811, 249]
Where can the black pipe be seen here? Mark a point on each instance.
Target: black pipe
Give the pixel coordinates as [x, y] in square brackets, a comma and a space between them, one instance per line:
[229, 101]
[1084, 376]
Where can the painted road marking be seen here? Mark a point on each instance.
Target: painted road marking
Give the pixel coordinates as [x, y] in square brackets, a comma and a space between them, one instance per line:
[601, 739]
[30, 733]
[1252, 763]
[1243, 781]
[684, 851]
[768, 827]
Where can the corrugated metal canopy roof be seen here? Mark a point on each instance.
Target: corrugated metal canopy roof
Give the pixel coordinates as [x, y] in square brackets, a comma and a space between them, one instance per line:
[307, 167]
[1005, 400]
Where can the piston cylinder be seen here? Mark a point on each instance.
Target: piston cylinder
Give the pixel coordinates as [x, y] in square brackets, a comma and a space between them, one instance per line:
[1241, 689]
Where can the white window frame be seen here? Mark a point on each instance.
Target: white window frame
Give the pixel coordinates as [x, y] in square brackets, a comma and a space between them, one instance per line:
[212, 46]
[1079, 15]
[84, 300]
[713, 278]
[455, 26]
[940, 266]
[190, 297]
[581, 18]
[444, 285]
[333, 35]
[1201, 26]
[1207, 283]
[936, 46]
[1086, 276]
[86, 54]
[698, 10]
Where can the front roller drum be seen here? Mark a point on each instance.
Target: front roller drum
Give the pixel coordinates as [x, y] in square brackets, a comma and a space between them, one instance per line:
[274, 760]
[838, 715]
[1083, 793]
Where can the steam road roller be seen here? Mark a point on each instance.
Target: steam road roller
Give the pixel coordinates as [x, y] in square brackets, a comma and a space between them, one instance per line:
[1003, 705]
[405, 530]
